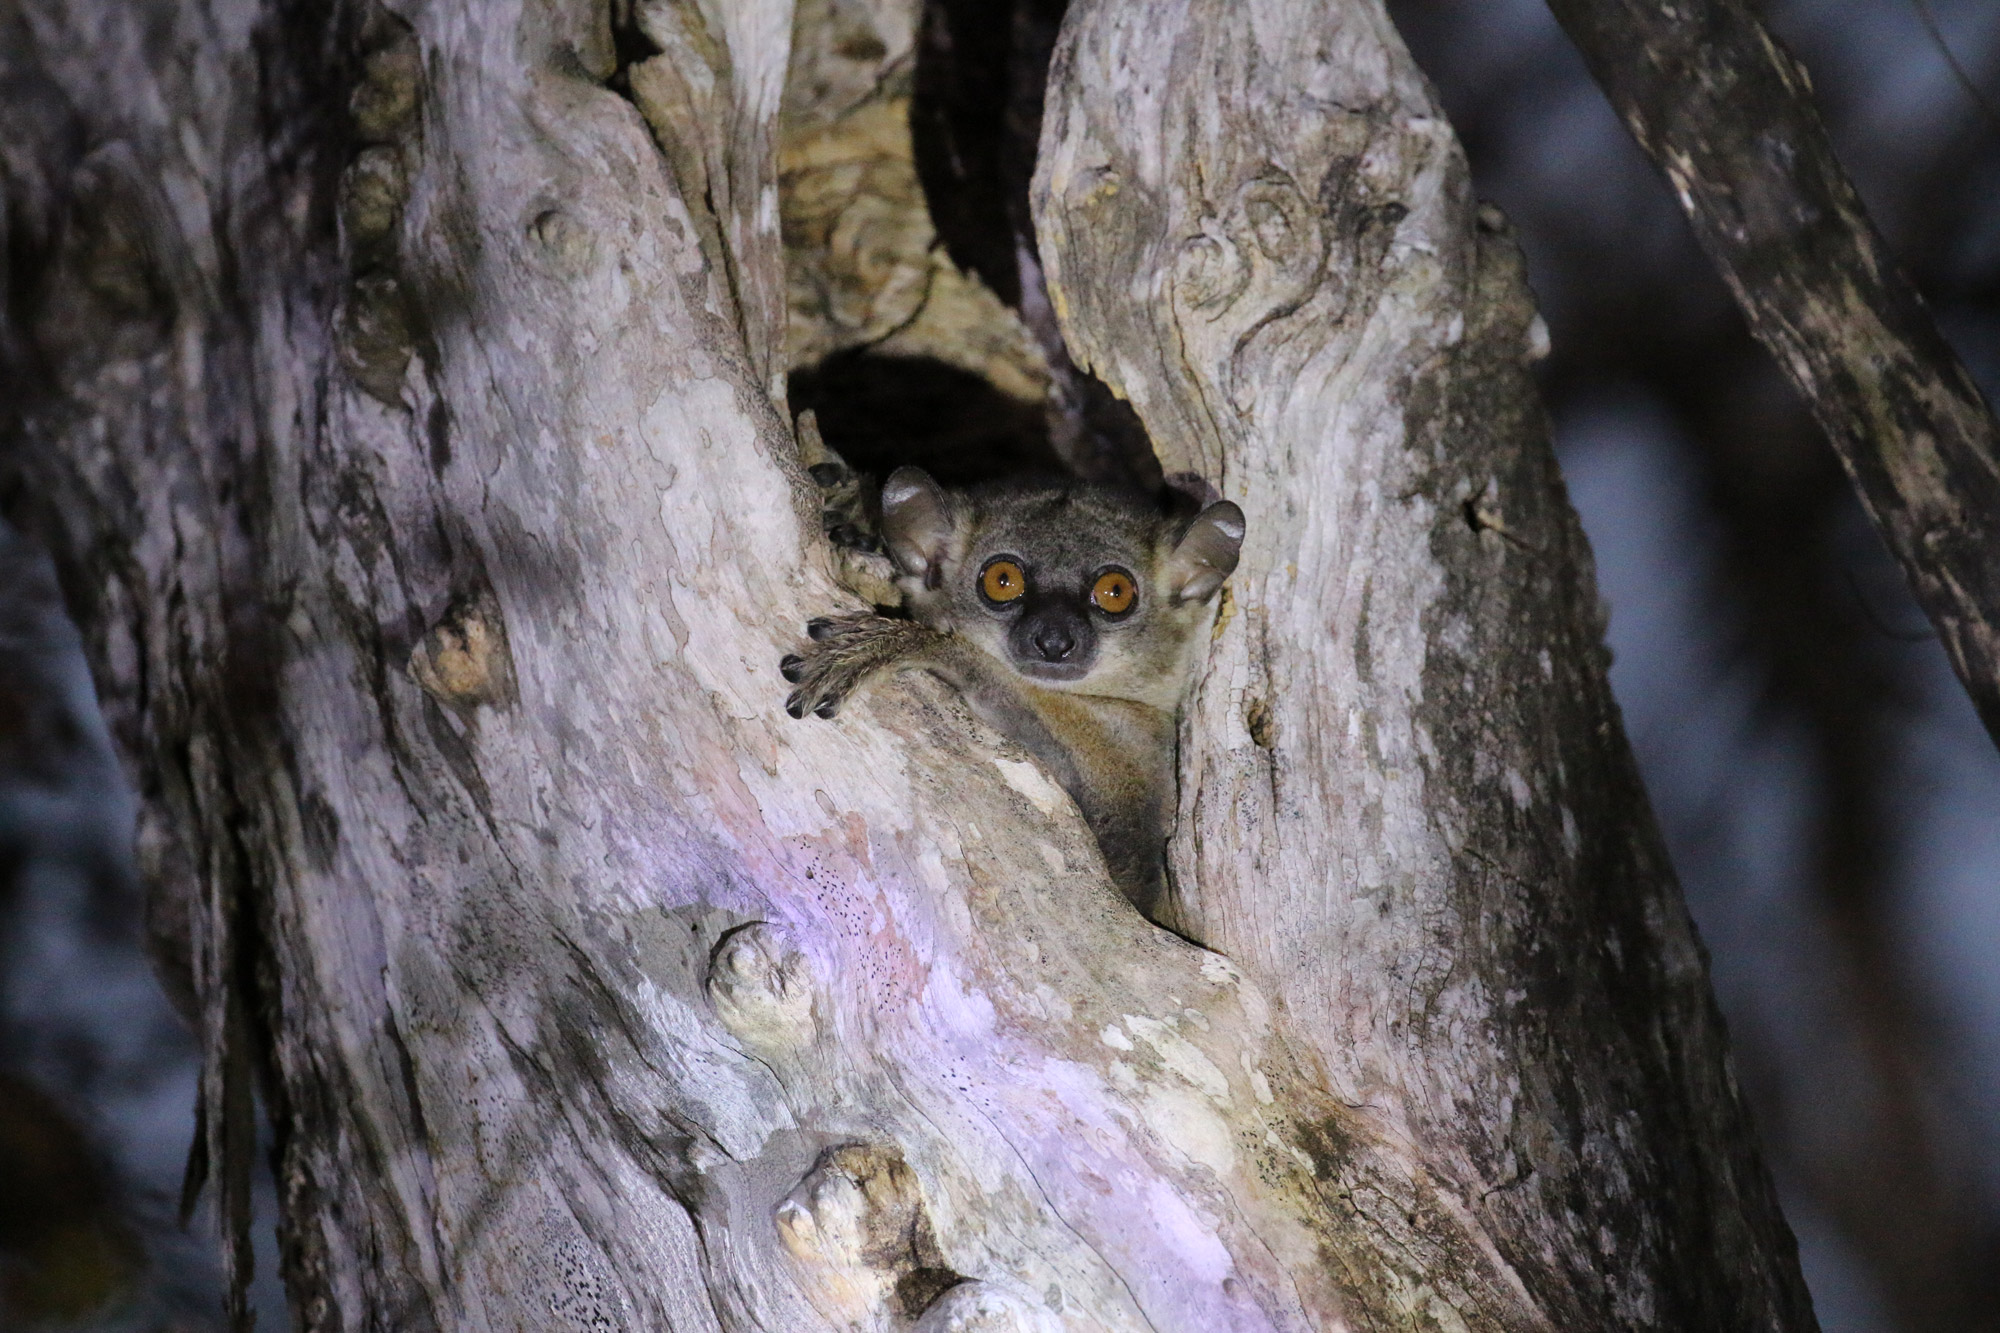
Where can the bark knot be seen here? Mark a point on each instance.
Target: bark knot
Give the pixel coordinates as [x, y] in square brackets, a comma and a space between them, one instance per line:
[760, 987]
[464, 661]
[857, 1224]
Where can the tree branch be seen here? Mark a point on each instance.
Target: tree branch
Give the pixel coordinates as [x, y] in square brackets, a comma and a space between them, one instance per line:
[1727, 113]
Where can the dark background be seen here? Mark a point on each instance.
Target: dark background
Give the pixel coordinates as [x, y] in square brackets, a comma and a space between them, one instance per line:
[1831, 802]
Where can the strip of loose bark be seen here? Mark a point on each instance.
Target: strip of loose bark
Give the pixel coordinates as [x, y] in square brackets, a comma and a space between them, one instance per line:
[1728, 114]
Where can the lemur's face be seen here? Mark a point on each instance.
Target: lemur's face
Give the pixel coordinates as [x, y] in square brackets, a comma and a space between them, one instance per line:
[1073, 587]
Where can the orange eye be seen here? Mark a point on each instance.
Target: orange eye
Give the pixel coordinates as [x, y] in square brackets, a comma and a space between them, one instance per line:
[1113, 592]
[1002, 581]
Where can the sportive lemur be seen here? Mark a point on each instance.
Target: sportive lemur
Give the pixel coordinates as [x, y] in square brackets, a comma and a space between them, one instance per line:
[1069, 615]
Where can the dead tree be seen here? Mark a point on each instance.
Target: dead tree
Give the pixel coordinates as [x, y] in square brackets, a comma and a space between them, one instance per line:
[403, 397]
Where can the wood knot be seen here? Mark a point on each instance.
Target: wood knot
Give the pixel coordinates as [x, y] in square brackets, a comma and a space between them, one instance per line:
[857, 1206]
[383, 104]
[378, 336]
[373, 190]
[857, 1224]
[565, 242]
[1208, 272]
[464, 660]
[1258, 261]
[1265, 253]
[761, 987]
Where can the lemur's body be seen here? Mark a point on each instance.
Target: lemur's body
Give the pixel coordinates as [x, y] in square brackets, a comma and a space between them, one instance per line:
[1069, 616]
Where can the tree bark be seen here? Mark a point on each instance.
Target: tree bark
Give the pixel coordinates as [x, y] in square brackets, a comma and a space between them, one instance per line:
[1727, 113]
[398, 400]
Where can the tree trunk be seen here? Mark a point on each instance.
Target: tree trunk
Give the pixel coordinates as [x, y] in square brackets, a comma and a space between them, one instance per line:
[399, 401]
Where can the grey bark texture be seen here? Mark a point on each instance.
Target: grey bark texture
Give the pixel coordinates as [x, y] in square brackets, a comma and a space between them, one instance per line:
[1727, 113]
[396, 393]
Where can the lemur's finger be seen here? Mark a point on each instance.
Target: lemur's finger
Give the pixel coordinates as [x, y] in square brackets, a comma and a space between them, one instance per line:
[792, 667]
[819, 630]
[828, 707]
[795, 705]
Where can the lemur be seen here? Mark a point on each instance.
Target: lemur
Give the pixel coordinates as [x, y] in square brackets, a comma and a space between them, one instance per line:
[1069, 615]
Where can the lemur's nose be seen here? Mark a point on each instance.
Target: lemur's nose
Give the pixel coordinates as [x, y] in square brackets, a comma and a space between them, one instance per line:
[1054, 643]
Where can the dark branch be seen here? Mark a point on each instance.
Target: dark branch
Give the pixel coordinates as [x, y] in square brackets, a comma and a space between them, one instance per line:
[1727, 113]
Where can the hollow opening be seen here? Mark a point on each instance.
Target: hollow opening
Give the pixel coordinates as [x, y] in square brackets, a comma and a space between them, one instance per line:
[919, 331]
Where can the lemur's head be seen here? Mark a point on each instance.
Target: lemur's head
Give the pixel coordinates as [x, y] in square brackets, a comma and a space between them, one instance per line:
[1076, 587]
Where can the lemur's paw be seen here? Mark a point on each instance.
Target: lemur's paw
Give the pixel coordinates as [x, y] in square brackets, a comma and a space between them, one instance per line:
[842, 652]
[822, 684]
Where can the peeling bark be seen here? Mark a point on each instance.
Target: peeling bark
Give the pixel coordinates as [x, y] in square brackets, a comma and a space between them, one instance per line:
[1727, 114]
[397, 395]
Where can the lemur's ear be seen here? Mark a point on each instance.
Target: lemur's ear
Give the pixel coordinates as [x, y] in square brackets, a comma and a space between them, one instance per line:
[917, 522]
[1206, 553]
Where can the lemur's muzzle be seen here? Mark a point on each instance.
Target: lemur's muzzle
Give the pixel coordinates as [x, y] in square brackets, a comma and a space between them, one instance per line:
[1053, 641]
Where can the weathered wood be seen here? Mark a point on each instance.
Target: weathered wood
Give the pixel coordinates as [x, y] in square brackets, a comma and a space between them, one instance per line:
[397, 399]
[1407, 806]
[1727, 113]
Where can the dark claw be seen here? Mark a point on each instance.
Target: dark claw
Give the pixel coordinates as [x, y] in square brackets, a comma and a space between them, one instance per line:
[826, 474]
[795, 706]
[827, 708]
[791, 667]
[820, 630]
